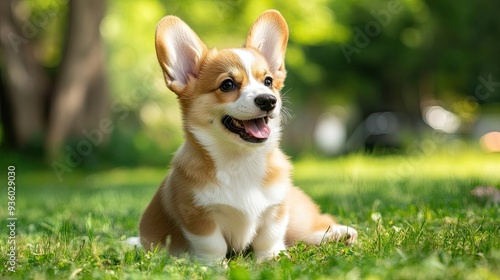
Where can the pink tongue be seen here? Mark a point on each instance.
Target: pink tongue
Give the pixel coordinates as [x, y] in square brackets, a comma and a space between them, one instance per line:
[257, 128]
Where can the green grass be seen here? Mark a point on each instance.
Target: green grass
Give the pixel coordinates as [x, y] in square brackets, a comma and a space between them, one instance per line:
[414, 215]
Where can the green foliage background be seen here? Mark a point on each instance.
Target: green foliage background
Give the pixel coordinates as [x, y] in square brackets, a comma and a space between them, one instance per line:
[410, 50]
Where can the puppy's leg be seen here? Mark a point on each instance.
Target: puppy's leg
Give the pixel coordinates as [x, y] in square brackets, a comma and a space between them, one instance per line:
[307, 224]
[207, 249]
[153, 228]
[156, 226]
[270, 238]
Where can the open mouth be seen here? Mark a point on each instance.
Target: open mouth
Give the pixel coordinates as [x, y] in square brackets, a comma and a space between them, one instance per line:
[254, 130]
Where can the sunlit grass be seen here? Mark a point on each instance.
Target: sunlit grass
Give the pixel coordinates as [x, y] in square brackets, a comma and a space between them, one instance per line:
[415, 217]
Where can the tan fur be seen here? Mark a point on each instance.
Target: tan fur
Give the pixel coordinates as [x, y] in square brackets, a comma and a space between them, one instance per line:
[156, 226]
[279, 168]
[305, 218]
[193, 168]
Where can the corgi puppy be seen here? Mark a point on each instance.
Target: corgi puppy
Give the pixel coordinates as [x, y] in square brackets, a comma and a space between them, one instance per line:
[229, 185]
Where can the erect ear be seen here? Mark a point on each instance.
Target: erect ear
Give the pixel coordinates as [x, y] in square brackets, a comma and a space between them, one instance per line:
[269, 35]
[179, 51]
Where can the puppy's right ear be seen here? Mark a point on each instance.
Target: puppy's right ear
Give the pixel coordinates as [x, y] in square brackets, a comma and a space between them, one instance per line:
[179, 51]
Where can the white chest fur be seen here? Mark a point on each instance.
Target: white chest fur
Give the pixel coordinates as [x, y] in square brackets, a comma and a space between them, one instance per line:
[239, 199]
[240, 184]
[246, 195]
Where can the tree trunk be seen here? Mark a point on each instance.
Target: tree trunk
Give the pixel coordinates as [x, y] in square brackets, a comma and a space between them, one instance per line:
[28, 105]
[79, 99]
[23, 103]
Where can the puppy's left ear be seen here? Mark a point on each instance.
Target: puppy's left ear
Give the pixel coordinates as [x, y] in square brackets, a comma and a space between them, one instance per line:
[269, 35]
[179, 51]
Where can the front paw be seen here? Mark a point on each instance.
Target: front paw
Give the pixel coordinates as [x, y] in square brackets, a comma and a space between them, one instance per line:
[262, 255]
[346, 234]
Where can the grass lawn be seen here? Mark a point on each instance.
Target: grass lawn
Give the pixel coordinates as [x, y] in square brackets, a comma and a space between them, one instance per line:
[415, 216]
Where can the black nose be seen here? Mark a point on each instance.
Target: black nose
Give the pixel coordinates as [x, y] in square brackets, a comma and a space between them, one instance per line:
[266, 102]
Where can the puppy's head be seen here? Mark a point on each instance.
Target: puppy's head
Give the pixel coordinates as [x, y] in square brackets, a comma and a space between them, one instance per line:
[227, 95]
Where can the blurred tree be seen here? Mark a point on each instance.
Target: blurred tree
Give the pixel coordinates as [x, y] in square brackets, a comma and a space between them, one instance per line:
[367, 56]
[53, 102]
[26, 85]
[79, 99]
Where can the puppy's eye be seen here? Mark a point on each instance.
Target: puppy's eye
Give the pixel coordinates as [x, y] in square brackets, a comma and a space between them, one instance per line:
[227, 85]
[268, 82]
